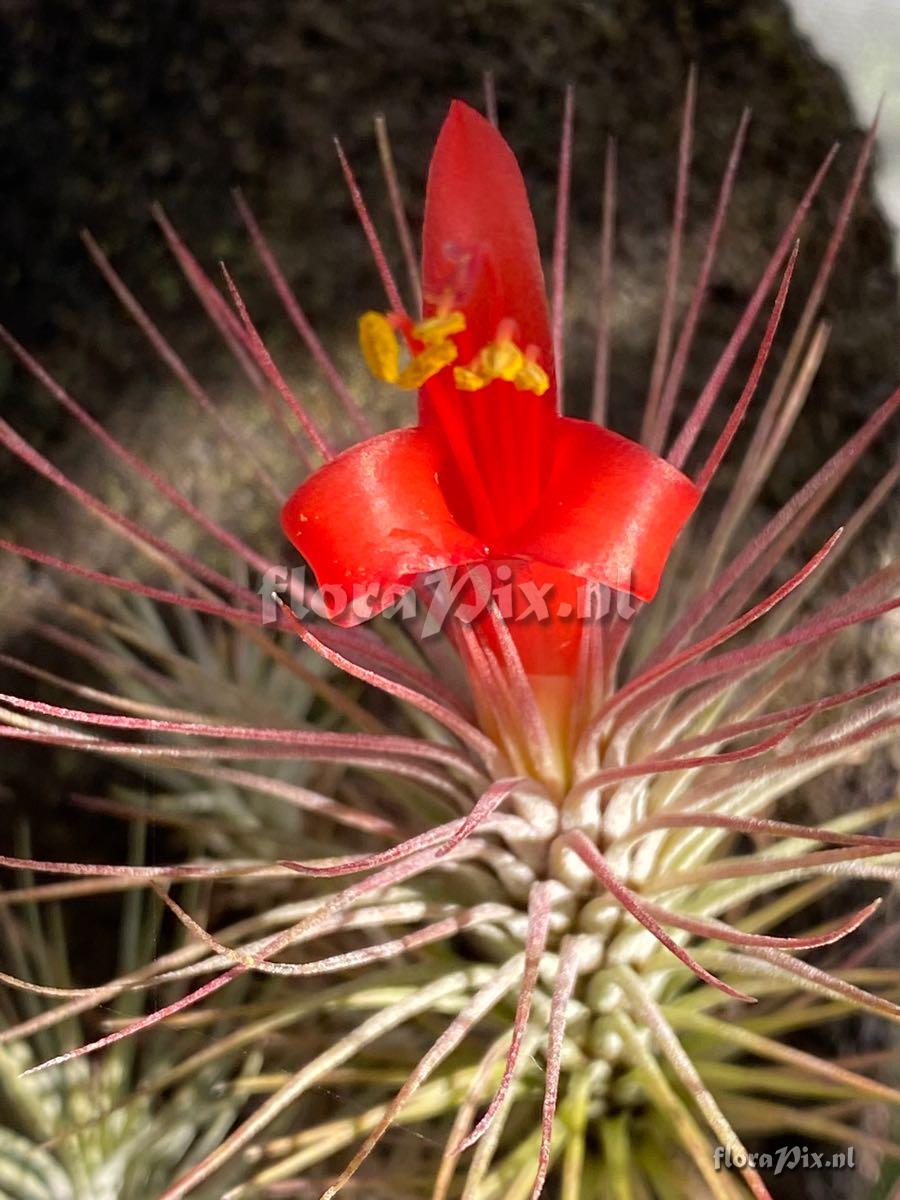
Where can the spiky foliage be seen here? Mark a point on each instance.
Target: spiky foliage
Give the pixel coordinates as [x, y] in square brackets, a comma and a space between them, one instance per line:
[560, 982]
[123, 1127]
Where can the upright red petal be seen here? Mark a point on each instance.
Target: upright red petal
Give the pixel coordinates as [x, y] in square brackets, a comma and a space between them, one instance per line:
[479, 240]
[480, 255]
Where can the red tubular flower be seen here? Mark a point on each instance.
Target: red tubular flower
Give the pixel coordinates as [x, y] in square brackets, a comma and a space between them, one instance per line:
[492, 472]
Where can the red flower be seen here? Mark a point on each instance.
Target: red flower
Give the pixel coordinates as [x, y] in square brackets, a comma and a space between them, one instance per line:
[492, 472]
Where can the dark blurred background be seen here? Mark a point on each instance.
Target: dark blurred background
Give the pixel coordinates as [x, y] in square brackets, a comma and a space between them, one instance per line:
[107, 107]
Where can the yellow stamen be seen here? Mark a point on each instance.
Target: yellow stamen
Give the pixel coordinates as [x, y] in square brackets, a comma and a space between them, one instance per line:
[380, 346]
[438, 328]
[532, 378]
[468, 380]
[428, 363]
[501, 360]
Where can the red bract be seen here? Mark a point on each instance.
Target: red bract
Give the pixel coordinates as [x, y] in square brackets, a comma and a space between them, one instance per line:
[492, 472]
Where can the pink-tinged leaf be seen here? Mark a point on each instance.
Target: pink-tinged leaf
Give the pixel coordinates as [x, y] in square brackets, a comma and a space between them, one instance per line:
[777, 964]
[465, 1115]
[161, 595]
[561, 241]
[707, 398]
[802, 505]
[312, 738]
[605, 287]
[685, 342]
[214, 304]
[267, 365]
[350, 959]
[595, 861]
[447, 837]
[753, 866]
[240, 440]
[139, 1026]
[466, 732]
[100, 870]
[539, 910]
[132, 461]
[662, 765]
[369, 862]
[398, 209]
[156, 548]
[118, 665]
[736, 416]
[299, 320]
[396, 873]
[798, 712]
[707, 927]
[684, 1068]
[368, 649]
[474, 1011]
[484, 807]
[324, 751]
[528, 715]
[566, 978]
[776, 417]
[368, 226]
[59, 993]
[748, 658]
[651, 432]
[760, 826]
[858, 522]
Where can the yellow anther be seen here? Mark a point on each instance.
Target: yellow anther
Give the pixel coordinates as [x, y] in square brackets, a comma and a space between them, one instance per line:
[468, 380]
[501, 360]
[380, 346]
[438, 328]
[532, 378]
[428, 363]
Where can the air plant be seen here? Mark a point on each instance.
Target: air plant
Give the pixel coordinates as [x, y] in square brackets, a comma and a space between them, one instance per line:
[509, 866]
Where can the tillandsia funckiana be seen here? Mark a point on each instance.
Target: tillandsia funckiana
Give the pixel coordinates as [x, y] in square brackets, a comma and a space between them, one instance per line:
[480, 823]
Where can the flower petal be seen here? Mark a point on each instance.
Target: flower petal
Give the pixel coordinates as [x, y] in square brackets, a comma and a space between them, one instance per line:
[372, 519]
[479, 240]
[611, 511]
[480, 254]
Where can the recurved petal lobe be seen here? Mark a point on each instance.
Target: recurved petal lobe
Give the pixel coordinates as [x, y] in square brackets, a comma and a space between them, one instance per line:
[372, 519]
[611, 511]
